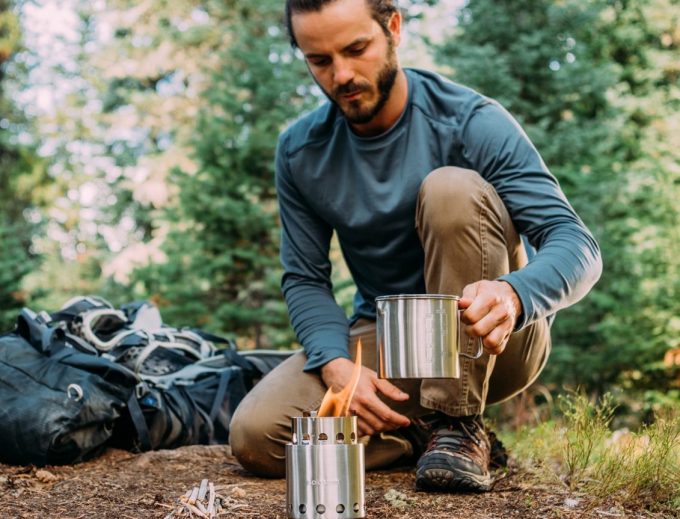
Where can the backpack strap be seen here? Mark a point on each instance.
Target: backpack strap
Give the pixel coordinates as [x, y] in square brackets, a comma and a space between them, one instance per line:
[87, 327]
[138, 420]
[77, 305]
[34, 329]
[212, 337]
[219, 394]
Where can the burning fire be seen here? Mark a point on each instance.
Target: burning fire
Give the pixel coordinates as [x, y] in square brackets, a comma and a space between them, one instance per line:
[337, 404]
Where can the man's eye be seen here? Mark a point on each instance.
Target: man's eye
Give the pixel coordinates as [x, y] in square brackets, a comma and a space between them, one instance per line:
[319, 62]
[356, 51]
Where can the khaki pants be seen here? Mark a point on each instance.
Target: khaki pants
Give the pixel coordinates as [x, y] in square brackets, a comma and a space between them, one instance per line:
[467, 236]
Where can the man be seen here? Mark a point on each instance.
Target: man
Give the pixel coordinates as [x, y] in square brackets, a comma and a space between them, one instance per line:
[427, 185]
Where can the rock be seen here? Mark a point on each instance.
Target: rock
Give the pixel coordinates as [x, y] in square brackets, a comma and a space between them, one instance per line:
[45, 476]
[570, 502]
[238, 492]
[397, 499]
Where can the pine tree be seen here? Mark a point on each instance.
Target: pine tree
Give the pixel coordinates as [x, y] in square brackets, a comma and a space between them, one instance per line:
[222, 270]
[595, 85]
[19, 169]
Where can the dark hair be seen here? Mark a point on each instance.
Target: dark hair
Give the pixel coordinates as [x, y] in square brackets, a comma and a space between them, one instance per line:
[381, 12]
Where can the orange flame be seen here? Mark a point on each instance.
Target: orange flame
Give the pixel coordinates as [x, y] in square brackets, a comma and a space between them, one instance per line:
[337, 404]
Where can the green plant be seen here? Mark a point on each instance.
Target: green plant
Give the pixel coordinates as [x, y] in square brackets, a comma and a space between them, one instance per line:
[633, 469]
[587, 425]
[641, 468]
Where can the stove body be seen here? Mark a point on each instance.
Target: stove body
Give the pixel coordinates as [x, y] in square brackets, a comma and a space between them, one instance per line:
[325, 469]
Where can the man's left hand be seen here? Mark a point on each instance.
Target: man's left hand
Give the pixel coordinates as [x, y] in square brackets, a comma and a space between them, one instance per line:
[491, 311]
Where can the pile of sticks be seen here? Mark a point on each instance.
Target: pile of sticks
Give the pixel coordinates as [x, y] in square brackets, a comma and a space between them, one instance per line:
[206, 502]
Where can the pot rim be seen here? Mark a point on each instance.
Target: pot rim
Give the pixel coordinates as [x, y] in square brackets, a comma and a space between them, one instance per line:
[401, 297]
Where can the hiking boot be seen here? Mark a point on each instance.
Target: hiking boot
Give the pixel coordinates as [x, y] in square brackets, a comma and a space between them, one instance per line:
[499, 454]
[418, 434]
[456, 458]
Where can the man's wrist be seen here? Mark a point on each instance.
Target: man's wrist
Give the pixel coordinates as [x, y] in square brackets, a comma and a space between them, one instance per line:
[515, 300]
[331, 367]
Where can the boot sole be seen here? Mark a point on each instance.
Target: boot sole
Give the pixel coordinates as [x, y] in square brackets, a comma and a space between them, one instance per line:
[445, 480]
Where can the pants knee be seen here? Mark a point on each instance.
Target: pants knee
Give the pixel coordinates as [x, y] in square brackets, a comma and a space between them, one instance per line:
[447, 199]
[258, 444]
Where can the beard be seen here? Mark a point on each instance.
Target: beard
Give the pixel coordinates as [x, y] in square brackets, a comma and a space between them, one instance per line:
[361, 112]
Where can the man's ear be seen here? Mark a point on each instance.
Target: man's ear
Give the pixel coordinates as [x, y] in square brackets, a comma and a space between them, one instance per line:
[394, 26]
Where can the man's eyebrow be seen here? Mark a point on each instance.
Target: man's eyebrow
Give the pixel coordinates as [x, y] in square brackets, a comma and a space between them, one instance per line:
[358, 41]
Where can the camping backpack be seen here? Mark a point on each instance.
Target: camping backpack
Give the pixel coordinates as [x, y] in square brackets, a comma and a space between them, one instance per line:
[172, 387]
[59, 404]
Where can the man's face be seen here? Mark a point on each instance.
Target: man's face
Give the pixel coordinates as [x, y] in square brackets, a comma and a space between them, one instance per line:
[350, 57]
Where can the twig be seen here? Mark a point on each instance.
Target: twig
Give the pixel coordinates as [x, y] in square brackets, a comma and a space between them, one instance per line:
[202, 489]
[201, 507]
[195, 510]
[211, 500]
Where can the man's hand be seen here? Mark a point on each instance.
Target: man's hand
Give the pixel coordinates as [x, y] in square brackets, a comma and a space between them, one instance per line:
[374, 416]
[491, 311]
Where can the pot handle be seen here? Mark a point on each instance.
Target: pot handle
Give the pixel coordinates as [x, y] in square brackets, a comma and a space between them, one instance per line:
[480, 348]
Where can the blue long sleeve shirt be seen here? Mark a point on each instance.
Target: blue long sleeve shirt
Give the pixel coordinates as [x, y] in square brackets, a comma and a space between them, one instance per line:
[365, 189]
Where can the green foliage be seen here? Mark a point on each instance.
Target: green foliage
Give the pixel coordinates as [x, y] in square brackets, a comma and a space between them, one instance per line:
[634, 470]
[587, 426]
[642, 467]
[14, 265]
[19, 171]
[222, 268]
[595, 85]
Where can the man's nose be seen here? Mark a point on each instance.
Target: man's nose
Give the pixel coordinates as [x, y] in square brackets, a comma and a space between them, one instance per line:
[343, 72]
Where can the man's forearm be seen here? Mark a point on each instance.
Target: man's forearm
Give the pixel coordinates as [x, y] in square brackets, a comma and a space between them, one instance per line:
[320, 324]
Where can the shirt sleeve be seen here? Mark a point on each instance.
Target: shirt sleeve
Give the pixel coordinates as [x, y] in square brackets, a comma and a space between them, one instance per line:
[320, 324]
[568, 261]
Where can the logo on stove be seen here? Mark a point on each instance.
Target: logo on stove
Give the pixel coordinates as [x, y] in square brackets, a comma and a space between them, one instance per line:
[323, 481]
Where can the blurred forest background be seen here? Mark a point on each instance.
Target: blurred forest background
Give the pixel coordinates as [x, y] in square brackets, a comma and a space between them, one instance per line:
[137, 141]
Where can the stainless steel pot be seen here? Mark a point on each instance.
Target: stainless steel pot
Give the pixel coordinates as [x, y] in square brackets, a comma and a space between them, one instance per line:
[419, 336]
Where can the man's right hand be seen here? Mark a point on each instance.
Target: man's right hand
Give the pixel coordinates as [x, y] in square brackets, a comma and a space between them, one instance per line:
[374, 415]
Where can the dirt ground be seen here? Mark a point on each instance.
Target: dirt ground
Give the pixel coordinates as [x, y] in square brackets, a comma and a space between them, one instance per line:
[121, 485]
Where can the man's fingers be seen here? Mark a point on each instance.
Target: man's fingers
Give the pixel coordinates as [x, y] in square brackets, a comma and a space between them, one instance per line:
[489, 322]
[377, 414]
[480, 307]
[390, 390]
[369, 421]
[383, 411]
[372, 423]
[364, 428]
[468, 295]
[494, 335]
[389, 419]
[495, 342]
[490, 310]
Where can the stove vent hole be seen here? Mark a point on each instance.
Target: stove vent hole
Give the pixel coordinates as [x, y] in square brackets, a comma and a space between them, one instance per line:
[294, 439]
[356, 508]
[303, 509]
[340, 438]
[320, 509]
[323, 437]
[305, 438]
[340, 509]
[352, 436]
